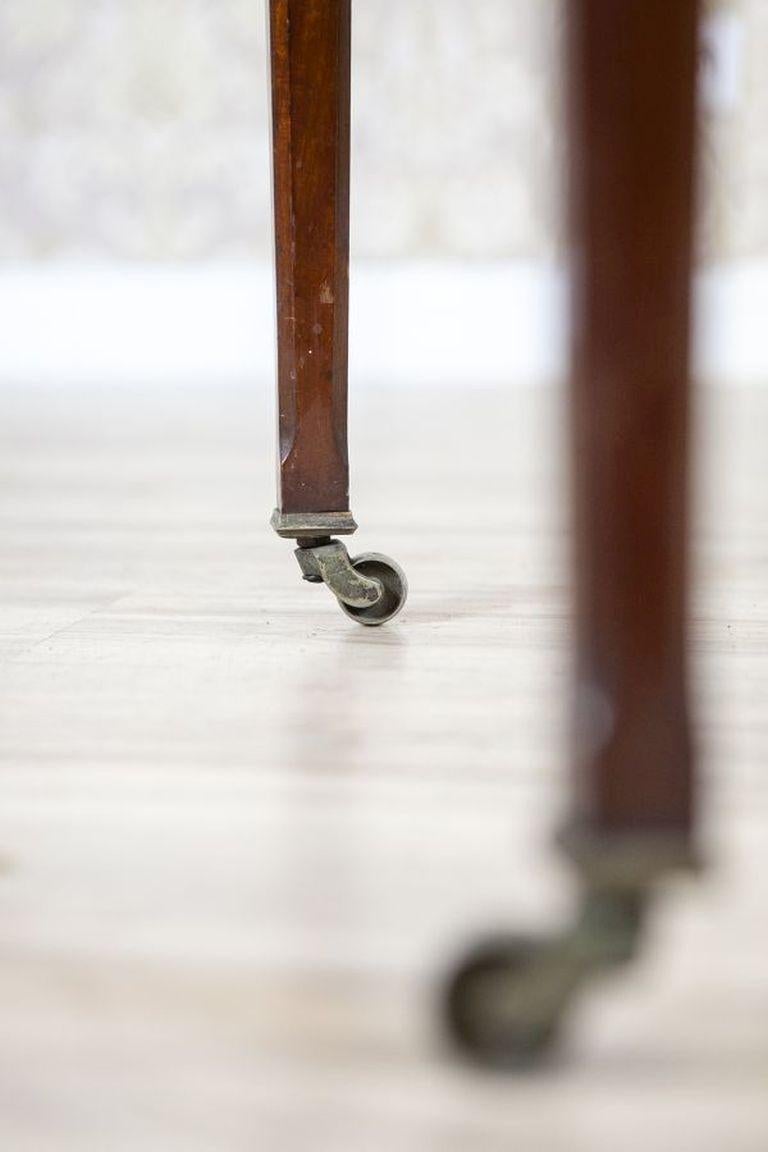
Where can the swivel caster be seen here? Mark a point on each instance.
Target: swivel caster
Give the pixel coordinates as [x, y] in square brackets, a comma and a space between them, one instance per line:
[505, 1004]
[370, 588]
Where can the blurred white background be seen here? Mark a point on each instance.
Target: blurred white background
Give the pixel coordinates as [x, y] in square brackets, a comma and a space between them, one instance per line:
[135, 201]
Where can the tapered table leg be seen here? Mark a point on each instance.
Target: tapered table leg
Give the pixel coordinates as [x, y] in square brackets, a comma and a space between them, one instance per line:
[632, 80]
[310, 71]
[633, 68]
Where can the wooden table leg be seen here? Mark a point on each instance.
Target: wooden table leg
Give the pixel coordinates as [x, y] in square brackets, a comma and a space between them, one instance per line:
[632, 83]
[633, 68]
[310, 70]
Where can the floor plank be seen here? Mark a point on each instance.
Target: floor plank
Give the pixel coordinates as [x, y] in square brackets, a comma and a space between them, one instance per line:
[241, 838]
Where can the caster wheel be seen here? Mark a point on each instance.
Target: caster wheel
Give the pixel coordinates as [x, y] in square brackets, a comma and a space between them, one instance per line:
[392, 579]
[503, 1005]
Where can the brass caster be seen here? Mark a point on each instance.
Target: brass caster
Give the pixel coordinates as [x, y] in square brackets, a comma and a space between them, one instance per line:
[370, 588]
[505, 1004]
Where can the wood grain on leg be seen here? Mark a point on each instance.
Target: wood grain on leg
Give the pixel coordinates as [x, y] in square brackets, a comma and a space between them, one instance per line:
[310, 60]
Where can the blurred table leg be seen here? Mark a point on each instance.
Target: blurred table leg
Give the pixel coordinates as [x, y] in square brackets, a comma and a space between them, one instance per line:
[632, 125]
[631, 97]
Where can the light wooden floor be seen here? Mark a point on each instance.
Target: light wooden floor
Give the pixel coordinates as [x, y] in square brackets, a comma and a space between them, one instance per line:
[242, 837]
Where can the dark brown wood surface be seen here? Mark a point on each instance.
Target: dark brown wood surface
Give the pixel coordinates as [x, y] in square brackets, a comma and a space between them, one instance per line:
[632, 71]
[310, 61]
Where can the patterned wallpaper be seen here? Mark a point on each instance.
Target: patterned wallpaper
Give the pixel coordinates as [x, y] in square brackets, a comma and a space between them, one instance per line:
[137, 129]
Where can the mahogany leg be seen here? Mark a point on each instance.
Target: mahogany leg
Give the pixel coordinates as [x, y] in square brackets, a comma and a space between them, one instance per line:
[632, 76]
[310, 71]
